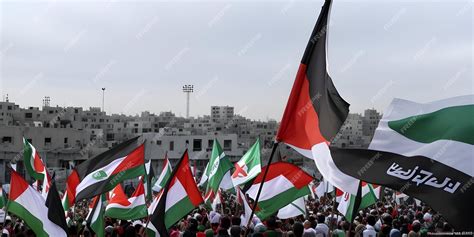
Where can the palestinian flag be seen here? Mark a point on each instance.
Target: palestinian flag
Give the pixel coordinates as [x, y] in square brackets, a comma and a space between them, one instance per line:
[219, 166]
[64, 201]
[33, 162]
[35, 166]
[103, 172]
[164, 176]
[123, 208]
[368, 196]
[249, 166]
[315, 111]
[68, 195]
[377, 190]
[292, 183]
[95, 219]
[424, 150]
[3, 199]
[294, 209]
[39, 214]
[180, 196]
[149, 180]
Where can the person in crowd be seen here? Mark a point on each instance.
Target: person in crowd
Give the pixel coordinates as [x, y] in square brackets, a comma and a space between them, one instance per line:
[369, 228]
[321, 229]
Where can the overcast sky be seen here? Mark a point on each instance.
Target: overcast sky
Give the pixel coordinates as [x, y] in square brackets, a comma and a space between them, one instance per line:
[243, 54]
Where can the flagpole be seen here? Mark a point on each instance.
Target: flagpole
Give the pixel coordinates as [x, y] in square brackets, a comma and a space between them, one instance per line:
[275, 145]
[356, 206]
[332, 211]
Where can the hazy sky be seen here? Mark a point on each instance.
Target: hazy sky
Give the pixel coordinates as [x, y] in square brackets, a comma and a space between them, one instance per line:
[243, 54]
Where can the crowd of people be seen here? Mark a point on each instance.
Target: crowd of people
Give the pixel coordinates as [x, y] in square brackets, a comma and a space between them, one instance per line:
[385, 218]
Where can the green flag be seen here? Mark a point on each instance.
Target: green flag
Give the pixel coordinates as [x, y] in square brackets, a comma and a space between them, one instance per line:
[3, 200]
[218, 166]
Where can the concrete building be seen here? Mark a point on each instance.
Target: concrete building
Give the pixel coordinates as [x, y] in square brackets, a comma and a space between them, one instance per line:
[222, 113]
[199, 148]
[357, 131]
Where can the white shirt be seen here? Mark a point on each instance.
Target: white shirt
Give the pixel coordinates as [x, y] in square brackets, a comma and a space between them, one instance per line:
[369, 231]
[5, 231]
[323, 227]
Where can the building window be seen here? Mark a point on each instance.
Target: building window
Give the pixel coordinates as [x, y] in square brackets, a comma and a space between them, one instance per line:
[28, 115]
[6, 139]
[227, 145]
[47, 141]
[210, 143]
[65, 140]
[158, 142]
[197, 144]
[110, 137]
[171, 145]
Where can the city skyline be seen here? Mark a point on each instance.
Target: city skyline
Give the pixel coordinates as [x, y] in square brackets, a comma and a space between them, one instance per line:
[139, 113]
[143, 54]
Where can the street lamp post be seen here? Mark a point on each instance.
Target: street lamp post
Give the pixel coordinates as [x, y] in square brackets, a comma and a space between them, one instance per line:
[103, 98]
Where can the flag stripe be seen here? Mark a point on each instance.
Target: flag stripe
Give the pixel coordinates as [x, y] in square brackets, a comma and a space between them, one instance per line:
[445, 124]
[126, 213]
[293, 209]
[178, 211]
[287, 171]
[329, 169]
[269, 207]
[268, 190]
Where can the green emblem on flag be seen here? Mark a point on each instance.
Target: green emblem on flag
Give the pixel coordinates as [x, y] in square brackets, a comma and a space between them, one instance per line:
[99, 175]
